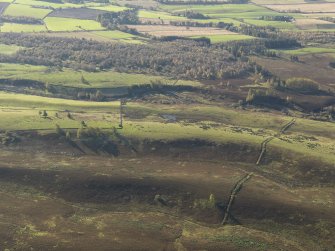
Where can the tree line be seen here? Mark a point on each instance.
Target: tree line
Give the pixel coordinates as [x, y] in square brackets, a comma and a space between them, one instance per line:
[20, 20]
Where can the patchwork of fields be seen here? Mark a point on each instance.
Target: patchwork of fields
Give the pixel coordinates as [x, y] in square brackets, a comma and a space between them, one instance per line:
[71, 18]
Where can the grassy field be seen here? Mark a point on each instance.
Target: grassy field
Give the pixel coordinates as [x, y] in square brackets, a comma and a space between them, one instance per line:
[226, 38]
[26, 10]
[225, 10]
[111, 8]
[101, 36]
[9, 49]
[276, 24]
[48, 4]
[11, 27]
[309, 50]
[69, 77]
[119, 36]
[158, 15]
[71, 24]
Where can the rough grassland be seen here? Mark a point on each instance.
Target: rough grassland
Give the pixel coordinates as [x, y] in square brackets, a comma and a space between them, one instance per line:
[68, 77]
[153, 128]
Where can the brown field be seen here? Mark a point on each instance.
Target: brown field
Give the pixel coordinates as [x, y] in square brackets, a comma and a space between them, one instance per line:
[169, 30]
[305, 68]
[305, 8]
[309, 23]
[79, 13]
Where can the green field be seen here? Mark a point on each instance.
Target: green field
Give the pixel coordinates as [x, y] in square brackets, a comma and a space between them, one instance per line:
[224, 10]
[111, 8]
[9, 49]
[11, 27]
[71, 24]
[276, 24]
[309, 50]
[68, 77]
[226, 38]
[101, 36]
[119, 36]
[48, 4]
[234, 13]
[17, 10]
[159, 15]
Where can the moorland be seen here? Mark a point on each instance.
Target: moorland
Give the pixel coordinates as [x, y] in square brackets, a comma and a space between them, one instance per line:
[167, 125]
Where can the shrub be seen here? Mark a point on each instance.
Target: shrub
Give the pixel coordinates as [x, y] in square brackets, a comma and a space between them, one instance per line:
[302, 85]
[97, 140]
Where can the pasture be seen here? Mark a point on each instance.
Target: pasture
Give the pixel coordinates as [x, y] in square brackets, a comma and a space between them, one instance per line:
[238, 11]
[12, 27]
[158, 15]
[71, 24]
[110, 8]
[309, 50]
[18, 10]
[276, 24]
[100, 36]
[47, 4]
[9, 49]
[227, 37]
